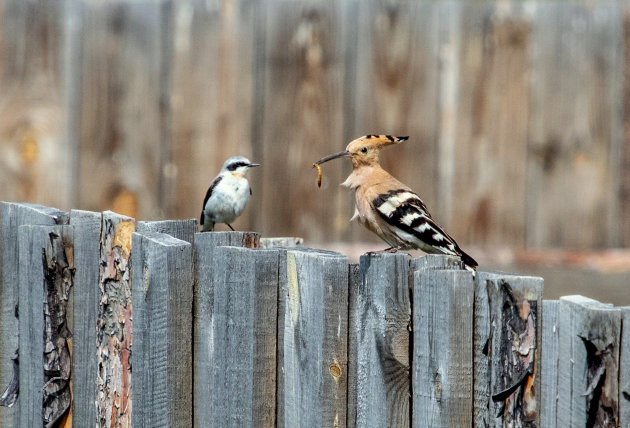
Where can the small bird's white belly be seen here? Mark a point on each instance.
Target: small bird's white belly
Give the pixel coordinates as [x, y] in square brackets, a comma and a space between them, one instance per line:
[228, 201]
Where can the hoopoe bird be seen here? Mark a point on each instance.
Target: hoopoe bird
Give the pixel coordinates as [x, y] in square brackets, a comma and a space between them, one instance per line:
[227, 195]
[388, 207]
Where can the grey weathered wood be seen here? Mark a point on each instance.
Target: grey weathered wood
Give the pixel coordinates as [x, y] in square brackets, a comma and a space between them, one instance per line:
[13, 215]
[549, 356]
[87, 249]
[442, 348]
[354, 276]
[243, 339]
[507, 368]
[281, 242]
[162, 342]
[312, 339]
[203, 301]
[588, 367]
[114, 321]
[380, 329]
[180, 229]
[624, 369]
[45, 281]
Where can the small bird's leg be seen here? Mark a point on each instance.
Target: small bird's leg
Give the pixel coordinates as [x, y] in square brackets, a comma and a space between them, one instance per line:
[230, 226]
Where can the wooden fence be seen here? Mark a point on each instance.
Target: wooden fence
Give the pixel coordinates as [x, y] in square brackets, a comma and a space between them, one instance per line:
[513, 108]
[109, 321]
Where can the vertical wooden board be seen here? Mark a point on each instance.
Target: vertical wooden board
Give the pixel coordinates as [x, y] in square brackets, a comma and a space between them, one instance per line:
[162, 344]
[549, 356]
[489, 156]
[45, 282]
[380, 331]
[394, 88]
[575, 126]
[442, 348]
[114, 321]
[205, 245]
[212, 99]
[122, 107]
[624, 369]
[302, 85]
[354, 277]
[36, 155]
[244, 321]
[180, 229]
[588, 383]
[312, 339]
[87, 235]
[508, 334]
[13, 215]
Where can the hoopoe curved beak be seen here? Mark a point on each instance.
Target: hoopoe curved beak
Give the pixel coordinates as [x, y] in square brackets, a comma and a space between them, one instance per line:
[333, 156]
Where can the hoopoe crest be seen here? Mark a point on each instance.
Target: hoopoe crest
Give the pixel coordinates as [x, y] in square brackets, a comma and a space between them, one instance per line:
[388, 207]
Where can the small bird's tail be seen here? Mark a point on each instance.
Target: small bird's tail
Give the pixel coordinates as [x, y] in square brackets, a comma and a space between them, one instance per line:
[469, 263]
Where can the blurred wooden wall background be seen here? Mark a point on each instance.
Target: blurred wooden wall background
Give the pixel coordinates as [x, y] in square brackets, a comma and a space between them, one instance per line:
[518, 112]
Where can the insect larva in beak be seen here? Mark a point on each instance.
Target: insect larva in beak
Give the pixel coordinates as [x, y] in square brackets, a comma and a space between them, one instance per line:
[319, 174]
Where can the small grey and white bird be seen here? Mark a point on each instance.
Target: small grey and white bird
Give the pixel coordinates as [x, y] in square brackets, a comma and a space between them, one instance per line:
[227, 195]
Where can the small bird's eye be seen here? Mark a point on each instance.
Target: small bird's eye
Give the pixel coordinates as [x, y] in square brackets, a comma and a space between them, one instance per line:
[364, 150]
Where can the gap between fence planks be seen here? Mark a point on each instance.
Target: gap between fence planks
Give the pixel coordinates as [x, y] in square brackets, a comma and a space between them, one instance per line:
[297, 336]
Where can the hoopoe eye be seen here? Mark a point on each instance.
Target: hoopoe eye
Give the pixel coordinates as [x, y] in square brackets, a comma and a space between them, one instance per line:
[364, 150]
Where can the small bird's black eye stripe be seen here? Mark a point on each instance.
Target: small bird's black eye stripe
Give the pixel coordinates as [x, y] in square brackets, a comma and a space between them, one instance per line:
[233, 166]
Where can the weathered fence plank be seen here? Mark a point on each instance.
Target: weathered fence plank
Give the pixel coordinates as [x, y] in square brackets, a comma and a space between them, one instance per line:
[549, 365]
[87, 249]
[45, 281]
[312, 338]
[588, 364]
[13, 215]
[442, 348]
[505, 351]
[205, 245]
[180, 229]
[243, 339]
[624, 369]
[113, 335]
[162, 342]
[379, 338]
[269, 243]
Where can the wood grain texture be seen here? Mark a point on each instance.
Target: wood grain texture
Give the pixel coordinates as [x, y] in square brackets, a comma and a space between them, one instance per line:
[550, 356]
[163, 328]
[624, 369]
[442, 348]
[380, 333]
[114, 321]
[242, 376]
[312, 338]
[87, 234]
[269, 243]
[588, 383]
[180, 229]
[13, 215]
[205, 245]
[506, 350]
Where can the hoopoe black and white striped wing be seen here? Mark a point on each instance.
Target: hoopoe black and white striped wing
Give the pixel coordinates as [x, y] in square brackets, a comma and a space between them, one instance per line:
[405, 212]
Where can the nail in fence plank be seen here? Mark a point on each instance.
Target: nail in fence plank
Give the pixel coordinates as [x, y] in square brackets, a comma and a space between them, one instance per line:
[162, 342]
[45, 282]
[588, 367]
[113, 335]
[243, 338]
[13, 215]
[549, 365]
[380, 332]
[180, 229]
[442, 347]
[508, 326]
[87, 249]
[624, 369]
[203, 299]
[312, 338]
[287, 242]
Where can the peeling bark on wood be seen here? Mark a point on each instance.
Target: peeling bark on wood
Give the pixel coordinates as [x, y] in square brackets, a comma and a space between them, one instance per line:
[113, 337]
[13, 215]
[507, 339]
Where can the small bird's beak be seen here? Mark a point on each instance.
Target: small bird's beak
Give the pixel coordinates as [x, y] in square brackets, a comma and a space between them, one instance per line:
[253, 165]
[331, 157]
